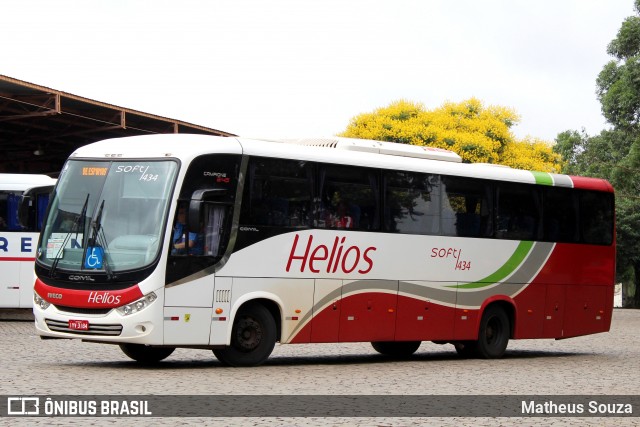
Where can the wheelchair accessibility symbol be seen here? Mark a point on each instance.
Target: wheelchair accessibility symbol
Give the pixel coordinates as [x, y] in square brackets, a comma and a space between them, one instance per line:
[94, 257]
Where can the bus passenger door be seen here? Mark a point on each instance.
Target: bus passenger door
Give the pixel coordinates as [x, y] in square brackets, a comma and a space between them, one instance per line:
[368, 311]
[187, 312]
[325, 325]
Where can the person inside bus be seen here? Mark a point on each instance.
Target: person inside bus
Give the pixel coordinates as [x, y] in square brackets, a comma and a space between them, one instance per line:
[343, 218]
[183, 244]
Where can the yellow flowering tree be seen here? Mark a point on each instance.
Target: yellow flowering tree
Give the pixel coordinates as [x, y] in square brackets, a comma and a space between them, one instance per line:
[477, 133]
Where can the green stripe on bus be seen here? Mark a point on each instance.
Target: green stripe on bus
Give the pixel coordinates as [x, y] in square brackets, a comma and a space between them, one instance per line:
[542, 178]
[506, 270]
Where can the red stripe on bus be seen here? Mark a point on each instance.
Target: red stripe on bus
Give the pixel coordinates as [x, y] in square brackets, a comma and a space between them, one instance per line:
[596, 184]
[10, 258]
[87, 298]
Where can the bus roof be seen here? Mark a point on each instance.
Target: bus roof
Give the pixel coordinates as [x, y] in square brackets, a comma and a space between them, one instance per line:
[21, 182]
[397, 156]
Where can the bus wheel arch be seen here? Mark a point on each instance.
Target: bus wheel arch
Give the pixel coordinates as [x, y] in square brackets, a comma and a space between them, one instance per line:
[276, 313]
[254, 332]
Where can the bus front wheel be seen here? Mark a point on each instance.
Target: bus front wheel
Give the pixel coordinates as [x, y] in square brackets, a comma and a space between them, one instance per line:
[396, 348]
[252, 338]
[146, 354]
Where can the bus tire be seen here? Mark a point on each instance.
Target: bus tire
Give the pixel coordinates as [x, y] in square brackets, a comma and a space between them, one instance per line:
[494, 333]
[253, 337]
[396, 348]
[146, 354]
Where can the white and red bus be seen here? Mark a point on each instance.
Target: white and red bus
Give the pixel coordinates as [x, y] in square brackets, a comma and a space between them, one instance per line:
[231, 244]
[18, 240]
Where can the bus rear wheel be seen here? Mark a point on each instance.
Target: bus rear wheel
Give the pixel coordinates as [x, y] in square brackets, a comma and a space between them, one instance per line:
[495, 330]
[146, 354]
[252, 338]
[396, 348]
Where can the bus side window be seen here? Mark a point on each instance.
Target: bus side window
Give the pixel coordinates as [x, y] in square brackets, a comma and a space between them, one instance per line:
[9, 203]
[412, 203]
[183, 240]
[466, 207]
[596, 217]
[560, 207]
[518, 212]
[277, 193]
[3, 211]
[349, 198]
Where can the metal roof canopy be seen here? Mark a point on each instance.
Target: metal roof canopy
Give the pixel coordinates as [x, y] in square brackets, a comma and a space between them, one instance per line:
[40, 127]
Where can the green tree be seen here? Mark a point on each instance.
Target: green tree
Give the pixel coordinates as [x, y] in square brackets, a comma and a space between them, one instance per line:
[615, 154]
[618, 84]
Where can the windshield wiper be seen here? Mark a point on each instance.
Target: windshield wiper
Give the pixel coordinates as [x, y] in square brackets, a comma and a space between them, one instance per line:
[74, 229]
[96, 225]
[98, 239]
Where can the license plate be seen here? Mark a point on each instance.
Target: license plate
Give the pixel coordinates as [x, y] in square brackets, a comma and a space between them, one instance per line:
[79, 325]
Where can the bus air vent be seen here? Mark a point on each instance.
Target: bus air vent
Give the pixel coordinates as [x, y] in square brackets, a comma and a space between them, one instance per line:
[379, 147]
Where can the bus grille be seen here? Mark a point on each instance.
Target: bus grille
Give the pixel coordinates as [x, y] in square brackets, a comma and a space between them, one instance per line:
[223, 295]
[78, 310]
[94, 329]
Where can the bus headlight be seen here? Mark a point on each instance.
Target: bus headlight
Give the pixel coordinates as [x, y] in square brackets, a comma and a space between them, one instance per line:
[40, 302]
[138, 305]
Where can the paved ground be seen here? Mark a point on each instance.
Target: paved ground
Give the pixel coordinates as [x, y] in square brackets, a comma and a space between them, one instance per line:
[603, 364]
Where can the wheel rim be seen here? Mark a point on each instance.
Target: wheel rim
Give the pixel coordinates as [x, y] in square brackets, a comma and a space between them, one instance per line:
[249, 334]
[493, 331]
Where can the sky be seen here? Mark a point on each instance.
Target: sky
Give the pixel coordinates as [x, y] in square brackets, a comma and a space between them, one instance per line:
[305, 68]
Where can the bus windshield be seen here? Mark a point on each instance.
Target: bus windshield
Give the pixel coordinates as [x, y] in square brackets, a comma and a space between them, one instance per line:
[107, 216]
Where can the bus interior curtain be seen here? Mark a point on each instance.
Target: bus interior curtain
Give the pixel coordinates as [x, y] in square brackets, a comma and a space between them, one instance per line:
[13, 201]
[213, 232]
